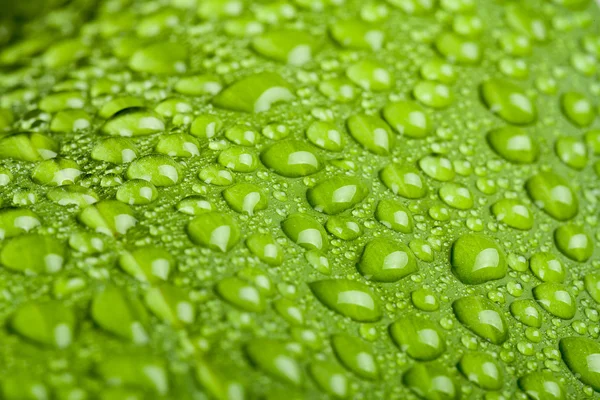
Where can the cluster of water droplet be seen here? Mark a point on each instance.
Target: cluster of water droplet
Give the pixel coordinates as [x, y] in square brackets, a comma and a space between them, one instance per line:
[380, 199]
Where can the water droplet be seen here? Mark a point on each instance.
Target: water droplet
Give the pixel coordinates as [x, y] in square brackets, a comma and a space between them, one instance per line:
[552, 194]
[166, 58]
[456, 195]
[245, 198]
[241, 294]
[288, 46]
[458, 49]
[147, 264]
[265, 248]
[34, 254]
[386, 260]
[582, 356]
[482, 317]
[527, 312]
[121, 314]
[408, 118]
[370, 75]
[513, 213]
[481, 369]
[577, 108]
[419, 337]
[356, 355]
[273, 357]
[513, 144]
[349, 298]
[372, 133]
[556, 299]
[394, 215]
[431, 381]
[49, 323]
[404, 180]
[338, 194]
[508, 101]
[134, 121]
[217, 231]
[159, 170]
[542, 385]
[292, 159]
[437, 167]
[477, 259]
[254, 93]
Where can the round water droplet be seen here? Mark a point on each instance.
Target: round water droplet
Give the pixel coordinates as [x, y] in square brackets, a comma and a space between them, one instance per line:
[264, 247]
[292, 159]
[404, 180]
[349, 298]
[513, 144]
[245, 198]
[556, 299]
[28, 147]
[527, 312]
[431, 382]
[513, 213]
[582, 356]
[458, 49]
[121, 314]
[356, 355]
[542, 385]
[437, 167]
[56, 172]
[216, 175]
[16, 221]
[338, 194]
[158, 169]
[386, 260]
[238, 159]
[572, 152]
[115, 150]
[288, 46]
[241, 294]
[578, 109]
[372, 133]
[34, 254]
[136, 192]
[254, 93]
[217, 231]
[477, 259]
[343, 228]
[48, 323]
[553, 195]
[425, 300]
[274, 358]
[357, 34]
[547, 267]
[178, 145]
[330, 378]
[242, 135]
[147, 264]
[456, 195]
[325, 135]
[408, 118]
[438, 70]
[481, 369]
[110, 217]
[482, 317]
[305, 231]
[433, 94]
[134, 121]
[574, 242]
[421, 338]
[206, 126]
[194, 205]
[160, 58]
[508, 101]
[394, 215]
[370, 75]
[73, 195]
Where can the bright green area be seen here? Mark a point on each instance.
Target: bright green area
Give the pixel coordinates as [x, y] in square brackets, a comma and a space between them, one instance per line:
[303, 199]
